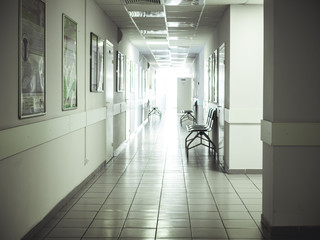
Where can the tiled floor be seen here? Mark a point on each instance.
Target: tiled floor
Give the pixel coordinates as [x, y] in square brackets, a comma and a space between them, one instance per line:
[151, 191]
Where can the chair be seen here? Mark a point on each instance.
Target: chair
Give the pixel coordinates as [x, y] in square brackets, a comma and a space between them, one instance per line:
[155, 110]
[187, 115]
[200, 132]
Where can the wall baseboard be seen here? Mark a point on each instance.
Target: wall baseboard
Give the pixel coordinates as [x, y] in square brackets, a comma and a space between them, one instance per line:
[244, 171]
[30, 235]
[289, 232]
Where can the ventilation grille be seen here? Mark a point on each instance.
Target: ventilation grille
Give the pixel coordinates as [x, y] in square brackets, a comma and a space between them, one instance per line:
[156, 2]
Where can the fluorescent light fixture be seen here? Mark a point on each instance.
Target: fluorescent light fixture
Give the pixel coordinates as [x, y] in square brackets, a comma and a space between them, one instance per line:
[155, 38]
[179, 47]
[164, 62]
[161, 57]
[177, 59]
[146, 14]
[180, 24]
[173, 54]
[157, 42]
[183, 2]
[180, 38]
[157, 51]
[154, 32]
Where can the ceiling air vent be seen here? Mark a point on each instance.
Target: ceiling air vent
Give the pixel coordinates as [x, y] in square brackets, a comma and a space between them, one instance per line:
[157, 2]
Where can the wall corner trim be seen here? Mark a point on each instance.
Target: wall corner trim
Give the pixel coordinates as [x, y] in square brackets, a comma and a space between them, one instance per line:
[290, 133]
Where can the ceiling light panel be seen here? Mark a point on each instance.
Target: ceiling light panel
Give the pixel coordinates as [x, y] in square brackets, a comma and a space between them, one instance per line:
[153, 32]
[144, 8]
[155, 38]
[158, 47]
[181, 24]
[161, 52]
[141, 14]
[183, 2]
[182, 55]
[151, 2]
[176, 49]
[180, 32]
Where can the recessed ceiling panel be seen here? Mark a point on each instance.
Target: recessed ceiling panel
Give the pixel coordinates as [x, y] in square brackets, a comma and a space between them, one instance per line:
[185, 9]
[183, 14]
[145, 8]
[151, 2]
[109, 2]
[150, 21]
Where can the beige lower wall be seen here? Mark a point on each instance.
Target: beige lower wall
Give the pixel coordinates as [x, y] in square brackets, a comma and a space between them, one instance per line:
[33, 181]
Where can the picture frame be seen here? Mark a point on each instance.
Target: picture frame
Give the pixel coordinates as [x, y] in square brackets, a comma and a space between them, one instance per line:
[136, 80]
[145, 85]
[120, 71]
[215, 77]
[140, 82]
[32, 58]
[210, 78]
[97, 71]
[132, 77]
[69, 64]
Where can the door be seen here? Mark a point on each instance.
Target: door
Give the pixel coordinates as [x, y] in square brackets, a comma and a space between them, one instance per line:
[221, 95]
[109, 100]
[184, 94]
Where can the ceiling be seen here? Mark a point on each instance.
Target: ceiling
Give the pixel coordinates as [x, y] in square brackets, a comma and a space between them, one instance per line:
[169, 33]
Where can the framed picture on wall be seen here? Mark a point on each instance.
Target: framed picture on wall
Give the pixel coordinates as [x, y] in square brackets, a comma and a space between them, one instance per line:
[215, 77]
[96, 63]
[69, 63]
[210, 78]
[144, 82]
[140, 83]
[132, 76]
[136, 79]
[120, 72]
[32, 58]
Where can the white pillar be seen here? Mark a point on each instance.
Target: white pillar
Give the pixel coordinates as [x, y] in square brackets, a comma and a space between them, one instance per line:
[291, 117]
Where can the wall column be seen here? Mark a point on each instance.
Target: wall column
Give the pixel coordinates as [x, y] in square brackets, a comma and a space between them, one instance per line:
[290, 128]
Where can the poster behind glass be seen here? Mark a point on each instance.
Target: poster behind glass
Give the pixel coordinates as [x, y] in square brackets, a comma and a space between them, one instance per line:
[120, 72]
[132, 75]
[96, 64]
[215, 77]
[32, 58]
[210, 78]
[69, 64]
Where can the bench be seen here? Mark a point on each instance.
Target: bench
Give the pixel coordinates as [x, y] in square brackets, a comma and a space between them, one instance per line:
[200, 132]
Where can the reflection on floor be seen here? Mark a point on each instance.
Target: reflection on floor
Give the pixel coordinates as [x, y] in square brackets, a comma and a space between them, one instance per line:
[151, 191]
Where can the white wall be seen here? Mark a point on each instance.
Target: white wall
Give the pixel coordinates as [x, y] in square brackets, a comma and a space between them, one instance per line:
[241, 29]
[244, 111]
